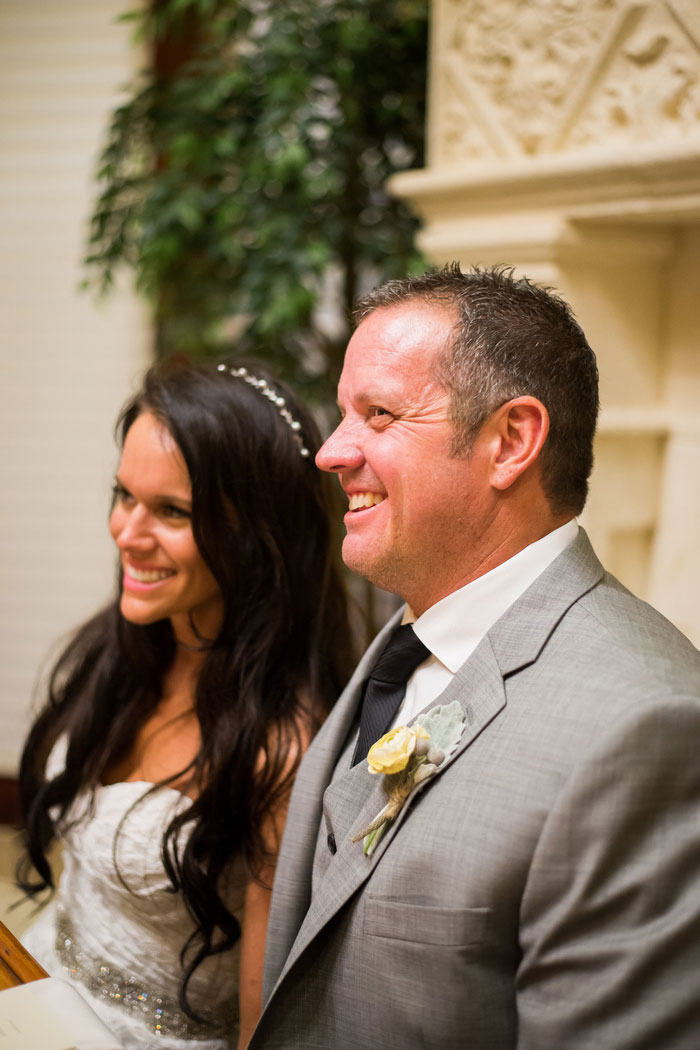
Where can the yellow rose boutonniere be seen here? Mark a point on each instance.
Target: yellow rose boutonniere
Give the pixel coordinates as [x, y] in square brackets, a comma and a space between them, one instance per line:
[406, 756]
[394, 751]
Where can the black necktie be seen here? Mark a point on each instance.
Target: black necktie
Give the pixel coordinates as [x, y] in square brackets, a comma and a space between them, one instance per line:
[386, 686]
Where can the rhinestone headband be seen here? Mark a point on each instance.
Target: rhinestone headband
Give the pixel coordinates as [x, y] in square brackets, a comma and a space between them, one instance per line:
[277, 400]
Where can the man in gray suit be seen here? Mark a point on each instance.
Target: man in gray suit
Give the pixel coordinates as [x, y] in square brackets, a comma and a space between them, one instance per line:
[539, 888]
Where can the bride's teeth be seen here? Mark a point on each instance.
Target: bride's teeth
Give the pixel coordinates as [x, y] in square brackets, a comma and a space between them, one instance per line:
[148, 576]
[364, 499]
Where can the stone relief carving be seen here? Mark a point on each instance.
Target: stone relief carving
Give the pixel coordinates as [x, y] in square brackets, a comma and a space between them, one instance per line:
[520, 79]
[652, 91]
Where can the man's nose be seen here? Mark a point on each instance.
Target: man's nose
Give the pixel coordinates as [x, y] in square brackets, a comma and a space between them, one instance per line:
[342, 451]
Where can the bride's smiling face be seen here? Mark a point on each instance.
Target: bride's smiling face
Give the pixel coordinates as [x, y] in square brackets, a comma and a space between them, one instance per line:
[165, 576]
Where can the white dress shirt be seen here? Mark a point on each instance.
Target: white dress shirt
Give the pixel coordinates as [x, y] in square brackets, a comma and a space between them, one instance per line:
[454, 626]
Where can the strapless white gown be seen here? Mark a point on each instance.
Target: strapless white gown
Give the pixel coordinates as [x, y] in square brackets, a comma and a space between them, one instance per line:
[115, 928]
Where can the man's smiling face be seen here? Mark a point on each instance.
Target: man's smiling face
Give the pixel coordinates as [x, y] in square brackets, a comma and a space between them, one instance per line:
[410, 503]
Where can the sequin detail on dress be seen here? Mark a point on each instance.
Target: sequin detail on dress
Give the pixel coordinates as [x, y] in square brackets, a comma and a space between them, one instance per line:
[127, 928]
[159, 1011]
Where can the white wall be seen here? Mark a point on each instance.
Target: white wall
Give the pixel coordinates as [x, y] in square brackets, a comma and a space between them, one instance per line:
[66, 365]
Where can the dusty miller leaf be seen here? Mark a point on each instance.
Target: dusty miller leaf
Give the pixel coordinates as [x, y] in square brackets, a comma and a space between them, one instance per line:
[445, 724]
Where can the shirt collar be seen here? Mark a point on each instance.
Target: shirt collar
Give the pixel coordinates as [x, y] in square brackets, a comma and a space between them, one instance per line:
[454, 626]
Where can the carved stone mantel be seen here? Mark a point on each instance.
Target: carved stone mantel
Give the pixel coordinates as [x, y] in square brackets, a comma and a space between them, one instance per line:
[564, 139]
[513, 79]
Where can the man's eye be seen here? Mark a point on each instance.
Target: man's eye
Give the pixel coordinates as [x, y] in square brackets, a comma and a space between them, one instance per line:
[377, 411]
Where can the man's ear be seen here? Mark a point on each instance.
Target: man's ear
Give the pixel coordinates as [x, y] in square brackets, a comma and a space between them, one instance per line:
[518, 432]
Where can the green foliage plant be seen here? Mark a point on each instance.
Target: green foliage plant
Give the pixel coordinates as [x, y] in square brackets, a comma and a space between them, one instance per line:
[243, 179]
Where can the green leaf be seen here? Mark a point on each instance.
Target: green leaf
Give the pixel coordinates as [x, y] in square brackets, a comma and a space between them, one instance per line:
[445, 724]
[231, 185]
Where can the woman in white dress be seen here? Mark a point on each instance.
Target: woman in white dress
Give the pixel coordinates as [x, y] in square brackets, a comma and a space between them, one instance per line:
[176, 717]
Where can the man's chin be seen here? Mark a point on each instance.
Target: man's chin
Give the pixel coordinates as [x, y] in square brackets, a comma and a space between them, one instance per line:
[374, 566]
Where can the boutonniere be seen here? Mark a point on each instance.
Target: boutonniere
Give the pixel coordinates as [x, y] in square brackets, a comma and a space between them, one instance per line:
[406, 756]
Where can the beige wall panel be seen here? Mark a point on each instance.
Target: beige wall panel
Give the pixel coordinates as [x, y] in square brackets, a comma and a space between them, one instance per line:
[682, 298]
[621, 307]
[622, 508]
[674, 583]
[675, 563]
[66, 364]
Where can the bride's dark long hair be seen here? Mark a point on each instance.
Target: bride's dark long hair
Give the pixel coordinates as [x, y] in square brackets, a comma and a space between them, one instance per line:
[263, 518]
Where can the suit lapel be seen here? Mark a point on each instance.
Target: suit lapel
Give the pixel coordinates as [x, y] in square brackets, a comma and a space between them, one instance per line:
[521, 634]
[515, 641]
[292, 895]
[355, 797]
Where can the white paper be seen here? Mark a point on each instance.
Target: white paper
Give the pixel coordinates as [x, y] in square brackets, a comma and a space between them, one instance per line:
[50, 1015]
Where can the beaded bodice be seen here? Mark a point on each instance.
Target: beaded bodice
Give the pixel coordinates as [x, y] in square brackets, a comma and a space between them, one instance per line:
[116, 928]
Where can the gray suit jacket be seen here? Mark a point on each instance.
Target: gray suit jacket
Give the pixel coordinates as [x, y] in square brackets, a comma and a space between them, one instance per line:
[542, 891]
